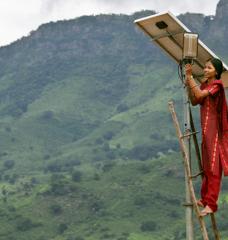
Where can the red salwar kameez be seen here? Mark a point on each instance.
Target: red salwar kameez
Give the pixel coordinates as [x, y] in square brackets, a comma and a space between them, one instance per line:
[214, 125]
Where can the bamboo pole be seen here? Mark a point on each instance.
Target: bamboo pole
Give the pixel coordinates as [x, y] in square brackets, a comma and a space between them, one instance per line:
[214, 226]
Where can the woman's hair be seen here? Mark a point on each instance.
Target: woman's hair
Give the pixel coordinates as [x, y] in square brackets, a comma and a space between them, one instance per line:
[218, 66]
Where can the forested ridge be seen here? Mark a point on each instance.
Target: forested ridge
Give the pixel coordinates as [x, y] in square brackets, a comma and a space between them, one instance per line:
[87, 145]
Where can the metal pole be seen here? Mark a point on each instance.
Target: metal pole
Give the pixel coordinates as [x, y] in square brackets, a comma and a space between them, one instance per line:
[187, 127]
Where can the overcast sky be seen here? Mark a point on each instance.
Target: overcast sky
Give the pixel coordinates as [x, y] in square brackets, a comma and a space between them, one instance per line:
[19, 17]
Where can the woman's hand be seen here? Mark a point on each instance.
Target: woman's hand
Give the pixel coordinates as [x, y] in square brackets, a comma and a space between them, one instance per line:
[188, 73]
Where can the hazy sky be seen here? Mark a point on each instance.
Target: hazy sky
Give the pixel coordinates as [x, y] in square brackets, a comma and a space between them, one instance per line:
[19, 17]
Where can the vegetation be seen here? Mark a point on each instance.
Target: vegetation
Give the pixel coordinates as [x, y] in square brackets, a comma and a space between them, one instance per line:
[87, 146]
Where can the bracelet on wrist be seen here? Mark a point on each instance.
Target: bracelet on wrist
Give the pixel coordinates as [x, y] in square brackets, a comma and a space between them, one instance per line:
[194, 86]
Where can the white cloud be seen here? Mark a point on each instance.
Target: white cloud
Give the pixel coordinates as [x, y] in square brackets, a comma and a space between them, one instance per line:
[18, 18]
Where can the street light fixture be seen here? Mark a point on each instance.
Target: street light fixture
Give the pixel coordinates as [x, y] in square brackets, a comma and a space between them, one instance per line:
[190, 46]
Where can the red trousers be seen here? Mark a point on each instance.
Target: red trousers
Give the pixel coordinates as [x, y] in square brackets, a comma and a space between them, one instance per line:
[210, 189]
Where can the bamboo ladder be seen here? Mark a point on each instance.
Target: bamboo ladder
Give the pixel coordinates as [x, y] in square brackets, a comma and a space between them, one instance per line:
[188, 171]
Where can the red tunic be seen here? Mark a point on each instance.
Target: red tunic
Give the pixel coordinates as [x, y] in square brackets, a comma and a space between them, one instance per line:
[214, 124]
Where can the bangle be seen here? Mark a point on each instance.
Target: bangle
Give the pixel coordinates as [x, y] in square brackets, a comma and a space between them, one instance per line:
[194, 86]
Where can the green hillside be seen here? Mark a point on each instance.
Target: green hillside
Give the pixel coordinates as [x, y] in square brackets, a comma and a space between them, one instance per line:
[87, 146]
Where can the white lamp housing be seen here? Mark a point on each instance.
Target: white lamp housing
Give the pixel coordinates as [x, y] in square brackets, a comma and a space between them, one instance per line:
[190, 49]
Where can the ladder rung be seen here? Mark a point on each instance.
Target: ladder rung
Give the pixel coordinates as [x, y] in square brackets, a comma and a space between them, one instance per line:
[187, 204]
[196, 175]
[189, 134]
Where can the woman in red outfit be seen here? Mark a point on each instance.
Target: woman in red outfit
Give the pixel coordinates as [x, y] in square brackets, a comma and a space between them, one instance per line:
[214, 124]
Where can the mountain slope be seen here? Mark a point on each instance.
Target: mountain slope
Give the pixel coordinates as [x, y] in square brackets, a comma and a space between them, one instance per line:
[88, 149]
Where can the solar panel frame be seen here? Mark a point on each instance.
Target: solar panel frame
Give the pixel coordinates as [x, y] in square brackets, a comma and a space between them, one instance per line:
[170, 40]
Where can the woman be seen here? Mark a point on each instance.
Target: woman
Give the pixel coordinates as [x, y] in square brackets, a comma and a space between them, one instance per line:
[214, 124]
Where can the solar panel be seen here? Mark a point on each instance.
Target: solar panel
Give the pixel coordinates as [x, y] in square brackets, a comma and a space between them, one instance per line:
[167, 32]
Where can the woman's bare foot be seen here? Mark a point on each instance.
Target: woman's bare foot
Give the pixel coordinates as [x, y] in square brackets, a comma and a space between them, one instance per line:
[200, 203]
[207, 210]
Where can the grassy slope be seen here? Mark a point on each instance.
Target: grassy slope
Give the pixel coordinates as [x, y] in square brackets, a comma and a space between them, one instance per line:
[125, 192]
[64, 130]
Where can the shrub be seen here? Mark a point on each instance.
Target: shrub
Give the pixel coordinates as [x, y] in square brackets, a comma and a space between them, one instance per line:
[223, 225]
[76, 176]
[62, 228]
[118, 145]
[9, 164]
[122, 108]
[122, 238]
[106, 147]
[142, 152]
[26, 224]
[8, 129]
[47, 115]
[173, 214]
[99, 141]
[59, 185]
[34, 181]
[125, 234]
[13, 178]
[56, 209]
[72, 163]
[96, 205]
[96, 177]
[140, 201]
[148, 226]
[144, 169]
[108, 236]
[46, 157]
[108, 135]
[54, 167]
[111, 155]
[75, 238]
[173, 201]
[108, 166]
[179, 234]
